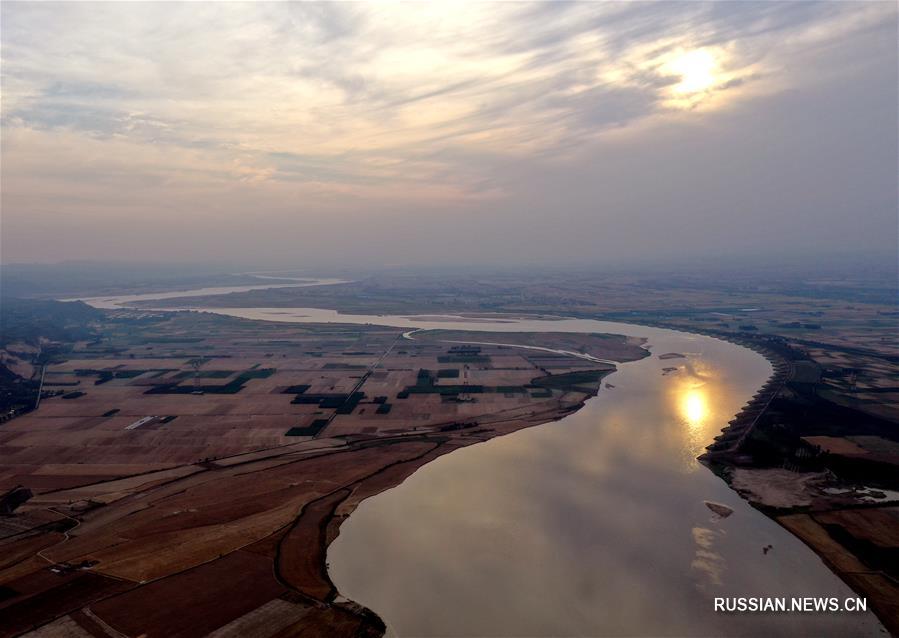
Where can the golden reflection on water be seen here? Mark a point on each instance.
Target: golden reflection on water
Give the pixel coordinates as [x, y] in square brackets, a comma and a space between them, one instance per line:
[695, 407]
[696, 394]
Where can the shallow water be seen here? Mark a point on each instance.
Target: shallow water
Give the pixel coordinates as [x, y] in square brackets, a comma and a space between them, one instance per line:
[594, 525]
[112, 302]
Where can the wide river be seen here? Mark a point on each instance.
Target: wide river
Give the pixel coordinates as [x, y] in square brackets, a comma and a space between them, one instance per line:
[594, 525]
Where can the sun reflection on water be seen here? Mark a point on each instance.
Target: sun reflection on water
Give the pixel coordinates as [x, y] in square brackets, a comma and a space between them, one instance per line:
[693, 402]
[695, 407]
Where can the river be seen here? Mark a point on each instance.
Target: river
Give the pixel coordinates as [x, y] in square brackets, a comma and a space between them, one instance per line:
[111, 302]
[594, 525]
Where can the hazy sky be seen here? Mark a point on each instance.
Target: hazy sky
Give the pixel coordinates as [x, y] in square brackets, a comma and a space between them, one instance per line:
[441, 132]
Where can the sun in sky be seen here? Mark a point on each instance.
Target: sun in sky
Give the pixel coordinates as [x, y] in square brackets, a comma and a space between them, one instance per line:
[697, 69]
[697, 72]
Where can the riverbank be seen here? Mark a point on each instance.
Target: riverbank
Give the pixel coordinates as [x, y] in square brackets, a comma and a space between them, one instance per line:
[771, 454]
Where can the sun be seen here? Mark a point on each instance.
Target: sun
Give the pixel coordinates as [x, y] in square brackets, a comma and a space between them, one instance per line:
[698, 71]
[694, 407]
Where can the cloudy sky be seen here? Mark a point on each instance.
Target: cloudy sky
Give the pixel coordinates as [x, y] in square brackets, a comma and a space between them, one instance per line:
[404, 133]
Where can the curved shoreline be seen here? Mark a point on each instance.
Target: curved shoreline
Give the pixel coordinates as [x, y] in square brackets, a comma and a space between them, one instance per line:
[783, 534]
[324, 516]
[337, 519]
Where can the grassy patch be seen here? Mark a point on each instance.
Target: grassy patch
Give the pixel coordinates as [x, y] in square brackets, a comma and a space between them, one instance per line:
[296, 389]
[205, 374]
[310, 430]
[232, 387]
[570, 381]
[463, 358]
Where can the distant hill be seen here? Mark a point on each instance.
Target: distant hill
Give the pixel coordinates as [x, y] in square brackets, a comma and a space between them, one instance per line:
[27, 320]
[79, 278]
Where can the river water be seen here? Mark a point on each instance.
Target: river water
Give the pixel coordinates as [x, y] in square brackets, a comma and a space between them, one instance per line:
[594, 525]
[112, 302]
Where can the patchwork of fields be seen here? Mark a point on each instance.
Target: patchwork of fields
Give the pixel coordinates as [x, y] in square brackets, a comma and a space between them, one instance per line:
[190, 483]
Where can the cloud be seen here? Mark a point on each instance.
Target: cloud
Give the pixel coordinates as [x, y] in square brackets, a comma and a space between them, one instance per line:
[333, 104]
